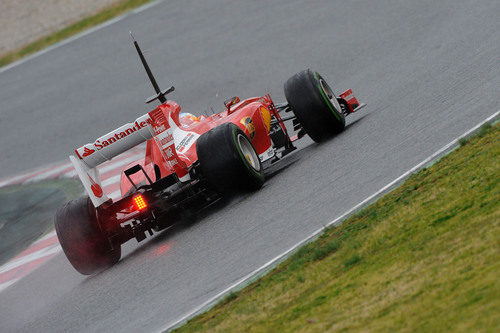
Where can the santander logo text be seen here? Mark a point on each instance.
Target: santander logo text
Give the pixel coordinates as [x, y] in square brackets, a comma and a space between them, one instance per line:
[87, 152]
[112, 139]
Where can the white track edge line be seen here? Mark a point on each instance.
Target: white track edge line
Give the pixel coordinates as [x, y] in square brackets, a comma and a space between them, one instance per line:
[48, 173]
[47, 236]
[8, 283]
[205, 306]
[46, 251]
[77, 36]
[12, 180]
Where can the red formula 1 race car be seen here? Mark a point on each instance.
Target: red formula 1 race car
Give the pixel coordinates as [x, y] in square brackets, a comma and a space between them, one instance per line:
[189, 163]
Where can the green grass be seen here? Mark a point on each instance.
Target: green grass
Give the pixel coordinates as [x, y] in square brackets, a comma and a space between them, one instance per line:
[27, 212]
[425, 257]
[86, 23]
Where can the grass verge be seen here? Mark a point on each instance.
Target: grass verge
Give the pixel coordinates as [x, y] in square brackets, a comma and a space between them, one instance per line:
[86, 23]
[425, 257]
[27, 212]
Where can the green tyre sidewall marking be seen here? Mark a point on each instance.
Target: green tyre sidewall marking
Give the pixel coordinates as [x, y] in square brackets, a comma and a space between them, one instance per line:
[243, 158]
[327, 100]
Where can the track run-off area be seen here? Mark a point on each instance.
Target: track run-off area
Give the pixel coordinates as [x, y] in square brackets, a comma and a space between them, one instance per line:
[427, 70]
[48, 245]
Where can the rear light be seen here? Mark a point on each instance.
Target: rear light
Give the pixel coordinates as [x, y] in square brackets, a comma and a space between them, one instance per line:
[140, 203]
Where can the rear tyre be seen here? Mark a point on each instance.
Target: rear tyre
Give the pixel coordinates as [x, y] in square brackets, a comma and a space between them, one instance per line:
[228, 160]
[81, 238]
[315, 105]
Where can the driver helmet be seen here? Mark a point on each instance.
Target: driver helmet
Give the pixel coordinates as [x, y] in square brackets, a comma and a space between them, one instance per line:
[188, 118]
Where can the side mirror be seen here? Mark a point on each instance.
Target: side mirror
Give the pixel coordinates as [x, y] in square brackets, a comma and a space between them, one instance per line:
[231, 101]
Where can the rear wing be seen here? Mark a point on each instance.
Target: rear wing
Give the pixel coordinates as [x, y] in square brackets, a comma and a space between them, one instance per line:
[157, 124]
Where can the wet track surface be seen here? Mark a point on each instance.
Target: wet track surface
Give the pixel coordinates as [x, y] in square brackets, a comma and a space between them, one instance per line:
[429, 70]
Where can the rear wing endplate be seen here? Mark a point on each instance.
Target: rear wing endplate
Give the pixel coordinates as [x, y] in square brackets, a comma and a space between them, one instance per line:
[157, 124]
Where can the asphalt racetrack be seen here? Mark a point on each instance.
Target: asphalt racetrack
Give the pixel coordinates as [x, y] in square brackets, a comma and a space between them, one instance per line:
[429, 70]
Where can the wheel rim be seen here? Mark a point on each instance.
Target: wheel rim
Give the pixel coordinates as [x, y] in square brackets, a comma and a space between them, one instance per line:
[329, 94]
[326, 89]
[248, 152]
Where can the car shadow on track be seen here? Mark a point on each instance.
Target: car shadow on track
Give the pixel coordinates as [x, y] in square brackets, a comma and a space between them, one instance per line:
[163, 237]
[354, 122]
[161, 240]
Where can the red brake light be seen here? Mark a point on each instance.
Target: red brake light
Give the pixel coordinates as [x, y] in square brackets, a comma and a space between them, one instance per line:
[140, 203]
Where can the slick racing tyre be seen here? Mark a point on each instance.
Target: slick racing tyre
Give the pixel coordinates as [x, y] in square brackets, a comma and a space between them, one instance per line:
[228, 160]
[314, 105]
[81, 238]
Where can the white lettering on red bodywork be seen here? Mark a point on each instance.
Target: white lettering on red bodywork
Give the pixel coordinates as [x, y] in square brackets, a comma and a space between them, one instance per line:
[115, 142]
[165, 140]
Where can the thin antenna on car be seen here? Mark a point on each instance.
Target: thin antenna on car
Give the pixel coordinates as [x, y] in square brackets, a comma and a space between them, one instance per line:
[160, 94]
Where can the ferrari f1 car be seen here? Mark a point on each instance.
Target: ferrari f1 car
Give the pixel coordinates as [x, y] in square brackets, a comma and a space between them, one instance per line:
[189, 163]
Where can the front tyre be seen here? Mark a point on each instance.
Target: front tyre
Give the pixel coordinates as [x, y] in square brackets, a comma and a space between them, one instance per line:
[228, 160]
[315, 105]
[81, 238]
